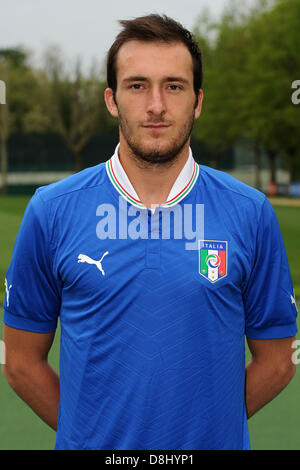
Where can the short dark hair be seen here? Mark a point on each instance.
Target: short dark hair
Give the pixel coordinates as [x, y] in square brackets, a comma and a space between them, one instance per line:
[159, 28]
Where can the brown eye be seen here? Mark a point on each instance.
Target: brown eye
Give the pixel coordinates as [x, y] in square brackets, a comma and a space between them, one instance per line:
[136, 86]
[175, 87]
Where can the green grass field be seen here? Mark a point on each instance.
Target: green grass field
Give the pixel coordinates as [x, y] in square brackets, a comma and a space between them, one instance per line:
[273, 427]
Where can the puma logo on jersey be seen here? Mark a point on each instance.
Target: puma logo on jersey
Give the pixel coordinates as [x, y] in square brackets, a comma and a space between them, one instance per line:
[7, 290]
[87, 259]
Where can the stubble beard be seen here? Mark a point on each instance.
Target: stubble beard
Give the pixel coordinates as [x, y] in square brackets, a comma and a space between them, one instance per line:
[155, 156]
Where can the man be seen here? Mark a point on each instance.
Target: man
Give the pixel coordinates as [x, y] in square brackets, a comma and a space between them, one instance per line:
[153, 322]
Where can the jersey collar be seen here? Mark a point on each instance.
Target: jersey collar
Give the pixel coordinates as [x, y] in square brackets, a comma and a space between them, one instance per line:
[182, 186]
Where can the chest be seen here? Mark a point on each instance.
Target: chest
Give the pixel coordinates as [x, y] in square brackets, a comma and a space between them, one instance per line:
[107, 253]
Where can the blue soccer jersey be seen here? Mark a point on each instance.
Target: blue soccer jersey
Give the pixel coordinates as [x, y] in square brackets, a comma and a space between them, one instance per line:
[154, 305]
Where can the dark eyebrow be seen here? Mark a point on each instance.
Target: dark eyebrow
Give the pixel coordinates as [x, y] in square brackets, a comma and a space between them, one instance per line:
[139, 78]
[176, 79]
[136, 78]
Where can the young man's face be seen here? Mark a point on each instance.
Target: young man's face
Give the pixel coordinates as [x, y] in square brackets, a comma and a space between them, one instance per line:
[155, 99]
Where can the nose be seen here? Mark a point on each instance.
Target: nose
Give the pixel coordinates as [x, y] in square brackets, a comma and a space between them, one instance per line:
[156, 103]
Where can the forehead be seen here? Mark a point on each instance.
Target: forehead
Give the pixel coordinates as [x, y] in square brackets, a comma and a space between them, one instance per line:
[152, 58]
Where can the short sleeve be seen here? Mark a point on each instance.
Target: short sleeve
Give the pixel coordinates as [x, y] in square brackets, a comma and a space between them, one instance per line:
[32, 294]
[268, 296]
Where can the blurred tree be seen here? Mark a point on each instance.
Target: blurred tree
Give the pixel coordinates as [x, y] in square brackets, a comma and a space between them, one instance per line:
[4, 131]
[271, 66]
[20, 84]
[251, 63]
[223, 119]
[74, 102]
[204, 32]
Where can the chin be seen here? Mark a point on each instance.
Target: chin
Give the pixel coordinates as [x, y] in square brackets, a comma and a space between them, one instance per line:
[157, 146]
[157, 156]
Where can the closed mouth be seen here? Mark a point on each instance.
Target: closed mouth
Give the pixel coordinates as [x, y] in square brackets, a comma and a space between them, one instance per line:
[156, 126]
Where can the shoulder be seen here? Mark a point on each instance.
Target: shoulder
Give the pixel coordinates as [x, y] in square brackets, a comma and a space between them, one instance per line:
[229, 190]
[225, 182]
[82, 181]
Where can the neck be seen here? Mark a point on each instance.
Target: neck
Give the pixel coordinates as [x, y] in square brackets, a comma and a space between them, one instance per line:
[152, 182]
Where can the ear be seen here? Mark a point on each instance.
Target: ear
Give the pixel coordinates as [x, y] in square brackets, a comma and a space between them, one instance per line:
[110, 102]
[199, 104]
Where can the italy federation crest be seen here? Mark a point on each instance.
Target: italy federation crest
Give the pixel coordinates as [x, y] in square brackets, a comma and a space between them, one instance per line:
[213, 259]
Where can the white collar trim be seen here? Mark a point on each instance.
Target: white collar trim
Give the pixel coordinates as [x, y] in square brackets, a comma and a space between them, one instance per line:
[182, 186]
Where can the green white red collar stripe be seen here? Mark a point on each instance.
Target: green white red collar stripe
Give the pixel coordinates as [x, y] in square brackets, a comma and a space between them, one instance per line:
[186, 189]
[182, 186]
